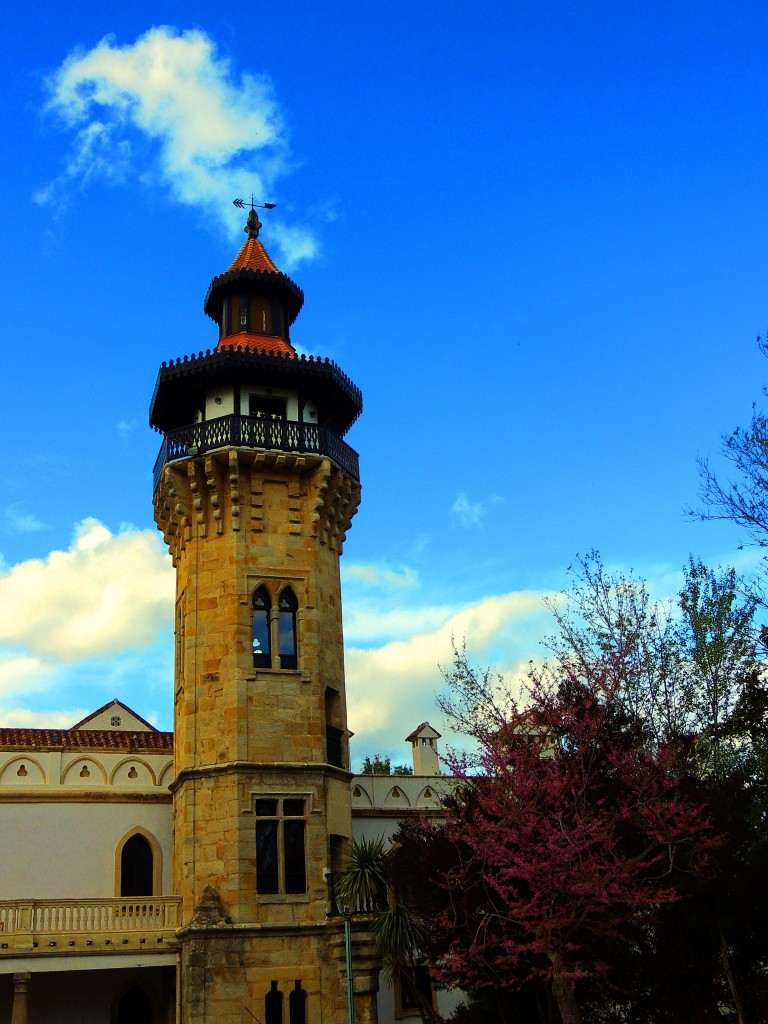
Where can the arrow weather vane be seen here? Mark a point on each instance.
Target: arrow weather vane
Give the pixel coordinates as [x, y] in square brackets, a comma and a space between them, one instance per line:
[241, 204]
[253, 224]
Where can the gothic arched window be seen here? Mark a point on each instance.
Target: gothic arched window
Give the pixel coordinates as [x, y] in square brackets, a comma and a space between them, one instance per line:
[260, 640]
[273, 1005]
[136, 867]
[297, 1005]
[288, 607]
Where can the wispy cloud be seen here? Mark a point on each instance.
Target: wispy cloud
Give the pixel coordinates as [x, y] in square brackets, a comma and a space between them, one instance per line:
[23, 718]
[377, 577]
[107, 593]
[172, 106]
[466, 512]
[22, 522]
[126, 427]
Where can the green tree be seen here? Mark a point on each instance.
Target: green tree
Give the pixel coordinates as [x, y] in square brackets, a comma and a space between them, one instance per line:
[567, 842]
[695, 684]
[688, 682]
[379, 765]
[610, 618]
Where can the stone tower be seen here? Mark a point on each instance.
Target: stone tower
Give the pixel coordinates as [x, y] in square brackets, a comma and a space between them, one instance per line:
[254, 493]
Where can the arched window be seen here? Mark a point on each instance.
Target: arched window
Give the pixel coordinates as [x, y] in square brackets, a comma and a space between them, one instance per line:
[287, 632]
[137, 867]
[273, 1005]
[134, 1007]
[262, 647]
[297, 1005]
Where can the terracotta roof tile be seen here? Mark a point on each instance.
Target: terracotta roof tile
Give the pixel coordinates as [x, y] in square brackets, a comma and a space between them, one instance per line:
[253, 256]
[257, 343]
[71, 739]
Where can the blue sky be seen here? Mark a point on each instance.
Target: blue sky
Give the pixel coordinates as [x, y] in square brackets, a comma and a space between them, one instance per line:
[533, 234]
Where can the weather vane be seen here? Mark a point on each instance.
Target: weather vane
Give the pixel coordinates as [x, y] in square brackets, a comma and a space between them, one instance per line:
[253, 224]
[241, 203]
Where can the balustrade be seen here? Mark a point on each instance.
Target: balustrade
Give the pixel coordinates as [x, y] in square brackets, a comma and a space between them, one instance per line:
[23, 922]
[255, 432]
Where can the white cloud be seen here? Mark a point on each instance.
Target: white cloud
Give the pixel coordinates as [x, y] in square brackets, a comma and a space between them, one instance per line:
[170, 104]
[368, 624]
[466, 512]
[126, 427]
[106, 593]
[22, 522]
[391, 688]
[375, 577]
[21, 673]
[22, 718]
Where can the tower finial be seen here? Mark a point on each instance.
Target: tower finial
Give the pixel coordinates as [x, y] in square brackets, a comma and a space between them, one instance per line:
[253, 224]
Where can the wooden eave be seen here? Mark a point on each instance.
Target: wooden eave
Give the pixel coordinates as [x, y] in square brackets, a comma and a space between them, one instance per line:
[180, 384]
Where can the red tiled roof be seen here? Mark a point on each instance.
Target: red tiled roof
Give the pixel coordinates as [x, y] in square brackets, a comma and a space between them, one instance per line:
[253, 256]
[75, 739]
[257, 343]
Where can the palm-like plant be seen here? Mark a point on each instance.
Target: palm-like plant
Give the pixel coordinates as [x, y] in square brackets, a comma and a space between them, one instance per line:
[363, 883]
[399, 937]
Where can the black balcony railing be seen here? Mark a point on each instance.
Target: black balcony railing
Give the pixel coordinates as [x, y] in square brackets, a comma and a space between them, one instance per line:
[255, 432]
[336, 906]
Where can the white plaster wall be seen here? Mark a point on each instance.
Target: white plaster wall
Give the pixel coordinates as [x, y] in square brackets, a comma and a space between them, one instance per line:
[64, 849]
[226, 407]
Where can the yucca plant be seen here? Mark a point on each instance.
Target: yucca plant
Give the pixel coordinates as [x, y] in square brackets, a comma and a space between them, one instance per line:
[362, 885]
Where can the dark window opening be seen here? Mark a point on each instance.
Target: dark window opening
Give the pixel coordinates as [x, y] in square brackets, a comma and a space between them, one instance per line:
[334, 748]
[297, 1005]
[261, 316]
[280, 846]
[421, 980]
[136, 868]
[134, 1007]
[277, 319]
[265, 407]
[260, 638]
[267, 864]
[273, 1005]
[334, 735]
[288, 607]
